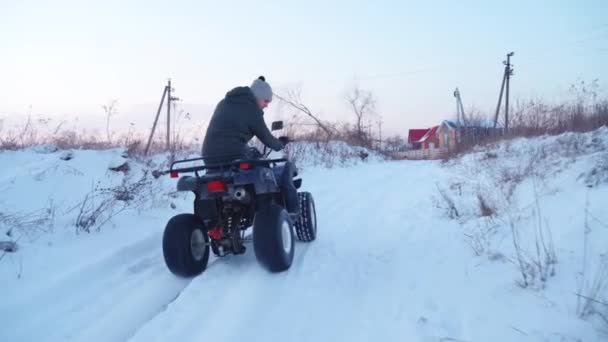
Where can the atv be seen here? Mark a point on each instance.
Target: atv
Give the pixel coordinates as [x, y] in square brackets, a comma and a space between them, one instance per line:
[228, 200]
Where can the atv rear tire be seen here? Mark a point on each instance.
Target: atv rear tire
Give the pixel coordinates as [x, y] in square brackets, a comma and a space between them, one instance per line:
[186, 245]
[273, 239]
[306, 224]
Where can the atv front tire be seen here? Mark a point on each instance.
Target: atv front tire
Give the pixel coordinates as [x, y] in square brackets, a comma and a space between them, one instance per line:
[186, 245]
[306, 224]
[273, 239]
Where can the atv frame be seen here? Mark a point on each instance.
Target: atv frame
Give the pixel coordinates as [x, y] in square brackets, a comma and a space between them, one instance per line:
[229, 199]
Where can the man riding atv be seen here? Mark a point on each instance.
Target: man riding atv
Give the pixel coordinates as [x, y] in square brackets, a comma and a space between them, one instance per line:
[236, 120]
[240, 188]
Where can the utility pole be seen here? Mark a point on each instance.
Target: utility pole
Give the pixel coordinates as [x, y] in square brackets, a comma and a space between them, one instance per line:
[168, 115]
[380, 133]
[509, 74]
[505, 81]
[456, 95]
[166, 94]
[502, 88]
[461, 129]
[459, 109]
[369, 130]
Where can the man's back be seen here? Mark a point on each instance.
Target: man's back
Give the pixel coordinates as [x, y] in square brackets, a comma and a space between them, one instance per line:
[236, 119]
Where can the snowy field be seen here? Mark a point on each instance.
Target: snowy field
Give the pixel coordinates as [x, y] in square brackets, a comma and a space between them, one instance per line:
[406, 251]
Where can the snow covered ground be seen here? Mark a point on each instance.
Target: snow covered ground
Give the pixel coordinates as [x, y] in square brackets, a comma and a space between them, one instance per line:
[392, 260]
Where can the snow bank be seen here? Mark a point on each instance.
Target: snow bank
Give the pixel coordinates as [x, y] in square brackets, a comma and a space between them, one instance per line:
[47, 190]
[50, 197]
[60, 181]
[387, 264]
[540, 205]
[330, 154]
[499, 170]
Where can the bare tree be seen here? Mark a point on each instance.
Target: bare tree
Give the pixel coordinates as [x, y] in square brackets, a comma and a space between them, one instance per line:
[111, 110]
[363, 104]
[394, 143]
[293, 98]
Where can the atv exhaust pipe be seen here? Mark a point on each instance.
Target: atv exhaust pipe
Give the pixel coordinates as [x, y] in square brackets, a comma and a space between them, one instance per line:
[241, 195]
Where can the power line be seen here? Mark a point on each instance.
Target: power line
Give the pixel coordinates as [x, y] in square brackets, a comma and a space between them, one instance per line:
[600, 36]
[401, 74]
[600, 26]
[550, 49]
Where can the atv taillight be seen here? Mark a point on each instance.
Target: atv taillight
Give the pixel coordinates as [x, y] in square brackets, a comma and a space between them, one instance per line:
[216, 186]
[244, 166]
[216, 233]
[174, 174]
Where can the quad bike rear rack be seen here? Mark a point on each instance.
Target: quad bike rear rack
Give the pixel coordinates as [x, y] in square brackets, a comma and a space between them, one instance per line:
[239, 164]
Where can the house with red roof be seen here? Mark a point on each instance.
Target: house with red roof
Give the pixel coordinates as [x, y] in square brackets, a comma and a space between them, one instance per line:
[431, 142]
[414, 135]
[437, 141]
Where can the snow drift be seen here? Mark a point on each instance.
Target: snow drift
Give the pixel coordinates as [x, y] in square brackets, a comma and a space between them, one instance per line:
[405, 251]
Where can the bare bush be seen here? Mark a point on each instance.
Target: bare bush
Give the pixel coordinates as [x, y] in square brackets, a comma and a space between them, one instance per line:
[591, 296]
[110, 109]
[598, 173]
[447, 203]
[510, 178]
[485, 209]
[42, 131]
[545, 258]
[531, 237]
[29, 224]
[525, 268]
[92, 211]
[327, 154]
[179, 142]
[22, 135]
[102, 204]
[296, 153]
[592, 287]
[480, 238]
[535, 267]
[585, 113]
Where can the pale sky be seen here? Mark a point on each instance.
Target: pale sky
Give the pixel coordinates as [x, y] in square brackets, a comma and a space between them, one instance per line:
[66, 58]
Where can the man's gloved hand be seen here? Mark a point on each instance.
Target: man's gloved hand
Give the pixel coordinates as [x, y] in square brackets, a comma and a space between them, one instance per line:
[284, 140]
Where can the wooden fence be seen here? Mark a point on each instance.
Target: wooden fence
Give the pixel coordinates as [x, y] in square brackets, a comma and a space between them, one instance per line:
[421, 154]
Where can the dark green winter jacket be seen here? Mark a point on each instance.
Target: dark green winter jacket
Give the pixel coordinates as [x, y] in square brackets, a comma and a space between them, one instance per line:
[236, 120]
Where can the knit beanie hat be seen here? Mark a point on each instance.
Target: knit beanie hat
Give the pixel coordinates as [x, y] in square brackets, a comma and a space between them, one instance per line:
[261, 90]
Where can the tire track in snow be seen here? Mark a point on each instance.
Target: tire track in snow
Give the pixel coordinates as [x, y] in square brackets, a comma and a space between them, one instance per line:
[369, 234]
[129, 287]
[353, 272]
[212, 262]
